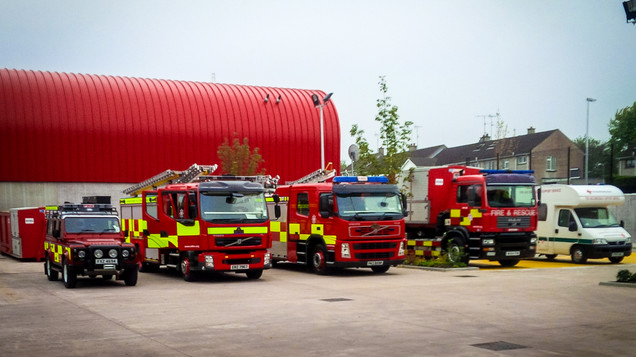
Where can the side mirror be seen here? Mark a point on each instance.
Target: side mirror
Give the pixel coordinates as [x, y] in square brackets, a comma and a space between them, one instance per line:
[572, 227]
[56, 233]
[539, 196]
[405, 211]
[277, 213]
[622, 224]
[276, 198]
[326, 206]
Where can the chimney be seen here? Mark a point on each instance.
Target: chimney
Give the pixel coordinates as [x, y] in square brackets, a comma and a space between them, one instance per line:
[531, 130]
[412, 147]
[484, 138]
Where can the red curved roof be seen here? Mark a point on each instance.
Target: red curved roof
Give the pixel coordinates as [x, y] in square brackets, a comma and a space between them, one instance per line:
[65, 127]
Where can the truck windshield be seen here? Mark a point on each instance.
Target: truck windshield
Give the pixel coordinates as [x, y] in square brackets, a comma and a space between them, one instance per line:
[511, 196]
[369, 206]
[230, 207]
[596, 217]
[91, 224]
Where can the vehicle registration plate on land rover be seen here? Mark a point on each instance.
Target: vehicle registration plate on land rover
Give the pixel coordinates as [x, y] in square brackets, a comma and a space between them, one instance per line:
[105, 261]
[239, 266]
[374, 263]
[513, 253]
[619, 254]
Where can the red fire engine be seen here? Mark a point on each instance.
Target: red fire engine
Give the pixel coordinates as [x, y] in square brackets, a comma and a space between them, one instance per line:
[199, 223]
[350, 222]
[473, 213]
[86, 239]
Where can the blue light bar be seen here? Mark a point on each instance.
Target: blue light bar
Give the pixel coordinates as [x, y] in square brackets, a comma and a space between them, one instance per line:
[354, 179]
[526, 172]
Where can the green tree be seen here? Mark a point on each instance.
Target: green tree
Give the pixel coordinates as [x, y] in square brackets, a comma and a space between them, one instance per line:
[600, 158]
[238, 159]
[395, 139]
[623, 128]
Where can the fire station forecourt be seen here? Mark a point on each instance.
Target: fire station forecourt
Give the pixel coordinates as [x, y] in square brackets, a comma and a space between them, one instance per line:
[404, 312]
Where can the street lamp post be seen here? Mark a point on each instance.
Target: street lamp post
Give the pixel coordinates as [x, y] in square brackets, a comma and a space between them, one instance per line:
[317, 104]
[587, 139]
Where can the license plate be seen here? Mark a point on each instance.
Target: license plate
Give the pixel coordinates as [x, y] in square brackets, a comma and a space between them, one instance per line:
[619, 254]
[513, 253]
[105, 261]
[375, 262]
[239, 266]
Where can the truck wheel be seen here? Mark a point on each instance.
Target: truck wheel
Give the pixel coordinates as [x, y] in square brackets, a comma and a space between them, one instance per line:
[380, 269]
[130, 276]
[69, 276]
[550, 256]
[254, 274]
[51, 274]
[616, 260]
[107, 276]
[188, 275]
[319, 259]
[578, 255]
[508, 262]
[455, 251]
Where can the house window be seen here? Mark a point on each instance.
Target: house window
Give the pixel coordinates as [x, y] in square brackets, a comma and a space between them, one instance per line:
[522, 160]
[630, 163]
[506, 164]
[575, 173]
[550, 163]
[489, 165]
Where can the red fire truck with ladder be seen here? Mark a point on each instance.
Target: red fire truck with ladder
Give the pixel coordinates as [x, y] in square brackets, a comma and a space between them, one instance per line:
[193, 222]
[86, 239]
[349, 222]
[472, 213]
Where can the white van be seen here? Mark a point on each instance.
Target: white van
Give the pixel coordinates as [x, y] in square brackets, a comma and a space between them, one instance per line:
[574, 220]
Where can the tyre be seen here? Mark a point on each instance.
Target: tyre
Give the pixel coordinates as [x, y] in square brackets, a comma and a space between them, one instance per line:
[319, 259]
[550, 256]
[184, 267]
[455, 251]
[578, 255]
[508, 262]
[69, 276]
[380, 269]
[616, 260]
[107, 276]
[254, 274]
[51, 274]
[130, 276]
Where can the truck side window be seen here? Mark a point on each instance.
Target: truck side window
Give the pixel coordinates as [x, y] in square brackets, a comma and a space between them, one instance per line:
[168, 204]
[151, 205]
[565, 217]
[302, 204]
[469, 194]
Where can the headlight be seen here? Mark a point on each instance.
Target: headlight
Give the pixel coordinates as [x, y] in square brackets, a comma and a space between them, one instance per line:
[125, 253]
[344, 250]
[98, 253]
[489, 241]
[401, 250]
[112, 253]
[81, 254]
[628, 241]
[533, 240]
[266, 260]
[209, 261]
[599, 241]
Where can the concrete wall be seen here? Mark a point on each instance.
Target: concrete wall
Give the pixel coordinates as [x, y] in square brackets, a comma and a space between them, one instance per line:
[35, 194]
[627, 213]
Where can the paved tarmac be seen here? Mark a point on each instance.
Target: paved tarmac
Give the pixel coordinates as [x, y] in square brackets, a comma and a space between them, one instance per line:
[289, 312]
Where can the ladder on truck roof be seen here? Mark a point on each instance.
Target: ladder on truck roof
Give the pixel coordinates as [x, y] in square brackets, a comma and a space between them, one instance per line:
[320, 175]
[171, 176]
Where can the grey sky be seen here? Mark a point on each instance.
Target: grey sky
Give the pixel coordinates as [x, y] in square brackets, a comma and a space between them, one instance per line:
[446, 62]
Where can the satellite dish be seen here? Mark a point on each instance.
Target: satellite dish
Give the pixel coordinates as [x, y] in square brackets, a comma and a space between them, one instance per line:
[354, 152]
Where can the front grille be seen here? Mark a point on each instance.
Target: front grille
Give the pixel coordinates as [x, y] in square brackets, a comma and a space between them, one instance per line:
[370, 246]
[513, 222]
[374, 231]
[375, 255]
[237, 242]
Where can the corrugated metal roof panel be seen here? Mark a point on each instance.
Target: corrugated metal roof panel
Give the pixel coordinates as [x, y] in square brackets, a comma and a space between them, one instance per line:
[64, 127]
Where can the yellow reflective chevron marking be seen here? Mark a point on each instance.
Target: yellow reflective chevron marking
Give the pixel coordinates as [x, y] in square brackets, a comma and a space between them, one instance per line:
[283, 236]
[193, 230]
[304, 236]
[465, 221]
[475, 213]
[294, 228]
[274, 226]
[317, 228]
[329, 239]
[454, 213]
